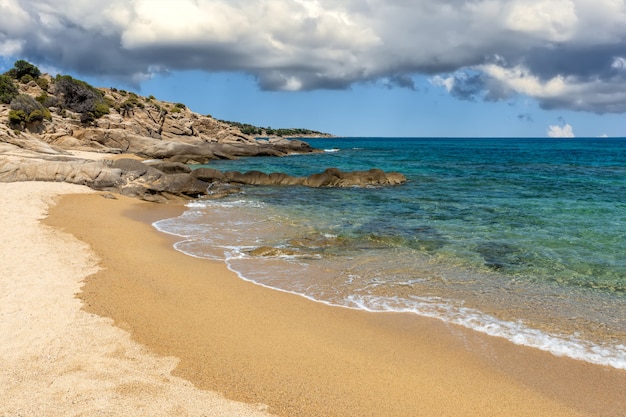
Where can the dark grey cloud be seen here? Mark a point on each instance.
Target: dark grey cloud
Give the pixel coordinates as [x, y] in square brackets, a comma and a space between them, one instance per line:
[566, 54]
[580, 61]
[402, 81]
[468, 87]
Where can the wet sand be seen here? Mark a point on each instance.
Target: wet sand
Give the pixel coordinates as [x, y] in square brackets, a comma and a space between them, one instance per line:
[304, 358]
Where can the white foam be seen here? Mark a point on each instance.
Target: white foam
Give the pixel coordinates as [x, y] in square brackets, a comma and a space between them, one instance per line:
[516, 332]
[446, 310]
[224, 203]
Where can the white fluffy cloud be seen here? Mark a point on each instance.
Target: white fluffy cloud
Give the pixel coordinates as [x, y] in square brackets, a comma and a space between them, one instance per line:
[565, 131]
[565, 53]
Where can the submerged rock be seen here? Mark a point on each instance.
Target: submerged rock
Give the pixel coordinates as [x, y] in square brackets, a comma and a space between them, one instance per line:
[271, 252]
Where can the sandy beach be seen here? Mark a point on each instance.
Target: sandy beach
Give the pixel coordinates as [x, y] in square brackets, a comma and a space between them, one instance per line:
[197, 329]
[57, 359]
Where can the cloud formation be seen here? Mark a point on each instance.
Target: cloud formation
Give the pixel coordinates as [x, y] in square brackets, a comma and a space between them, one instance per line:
[568, 54]
[565, 131]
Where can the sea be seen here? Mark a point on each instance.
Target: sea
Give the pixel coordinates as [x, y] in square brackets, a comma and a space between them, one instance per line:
[523, 239]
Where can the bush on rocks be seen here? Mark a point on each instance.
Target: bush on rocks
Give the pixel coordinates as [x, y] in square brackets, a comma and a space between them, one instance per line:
[25, 109]
[8, 90]
[80, 97]
[22, 69]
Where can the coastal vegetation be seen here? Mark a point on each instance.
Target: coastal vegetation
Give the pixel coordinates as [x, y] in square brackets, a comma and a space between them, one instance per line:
[24, 71]
[80, 97]
[25, 109]
[66, 95]
[69, 94]
[257, 131]
[8, 90]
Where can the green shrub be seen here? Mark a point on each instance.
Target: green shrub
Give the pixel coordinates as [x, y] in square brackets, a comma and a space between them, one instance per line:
[25, 109]
[36, 116]
[26, 103]
[17, 117]
[23, 68]
[43, 83]
[250, 130]
[80, 97]
[42, 98]
[180, 106]
[175, 110]
[128, 106]
[100, 110]
[26, 79]
[8, 90]
[11, 73]
[130, 102]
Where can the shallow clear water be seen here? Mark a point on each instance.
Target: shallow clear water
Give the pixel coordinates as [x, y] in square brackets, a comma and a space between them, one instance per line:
[519, 238]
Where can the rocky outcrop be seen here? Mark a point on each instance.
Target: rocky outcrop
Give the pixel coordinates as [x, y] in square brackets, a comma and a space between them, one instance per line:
[167, 136]
[142, 126]
[332, 177]
[128, 177]
[162, 182]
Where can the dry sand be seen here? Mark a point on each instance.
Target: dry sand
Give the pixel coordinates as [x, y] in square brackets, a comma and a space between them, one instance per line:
[251, 343]
[59, 360]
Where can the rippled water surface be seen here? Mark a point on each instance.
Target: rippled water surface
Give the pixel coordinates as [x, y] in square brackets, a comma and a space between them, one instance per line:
[520, 238]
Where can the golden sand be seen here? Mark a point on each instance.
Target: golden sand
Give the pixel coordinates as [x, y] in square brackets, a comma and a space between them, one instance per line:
[57, 359]
[303, 358]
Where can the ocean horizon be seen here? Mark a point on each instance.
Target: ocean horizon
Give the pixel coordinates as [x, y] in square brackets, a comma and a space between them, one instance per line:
[521, 238]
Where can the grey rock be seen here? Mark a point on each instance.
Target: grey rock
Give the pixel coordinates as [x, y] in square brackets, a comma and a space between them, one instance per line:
[170, 167]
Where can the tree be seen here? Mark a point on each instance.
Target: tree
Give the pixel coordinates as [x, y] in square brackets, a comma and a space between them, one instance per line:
[8, 90]
[22, 68]
[80, 97]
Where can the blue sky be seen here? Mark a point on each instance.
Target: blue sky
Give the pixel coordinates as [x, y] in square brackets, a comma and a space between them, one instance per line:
[372, 109]
[428, 68]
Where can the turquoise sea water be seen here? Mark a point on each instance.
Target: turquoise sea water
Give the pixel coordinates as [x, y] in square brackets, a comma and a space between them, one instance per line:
[518, 238]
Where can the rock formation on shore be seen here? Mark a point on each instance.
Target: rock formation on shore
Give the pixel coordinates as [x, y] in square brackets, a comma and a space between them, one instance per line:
[223, 183]
[167, 135]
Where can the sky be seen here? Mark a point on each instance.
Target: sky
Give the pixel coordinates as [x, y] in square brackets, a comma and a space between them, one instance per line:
[413, 68]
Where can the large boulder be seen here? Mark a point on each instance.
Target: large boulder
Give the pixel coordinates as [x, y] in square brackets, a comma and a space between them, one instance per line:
[129, 177]
[95, 174]
[142, 180]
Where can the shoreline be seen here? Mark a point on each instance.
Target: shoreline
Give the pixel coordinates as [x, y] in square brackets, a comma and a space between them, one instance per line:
[303, 358]
[56, 359]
